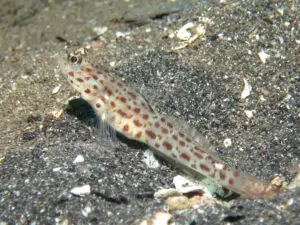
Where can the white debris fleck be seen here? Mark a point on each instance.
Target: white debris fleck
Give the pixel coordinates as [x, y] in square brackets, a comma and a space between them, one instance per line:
[200, 30]
[249, 113]
[161, 218]
[86, 211]
[281, 39]
[227, 142]
[286, 24]
[247, 89]
[148, 30]
[78, 159]
[100, 30]
[262, 98]
[112, 63]
[120, 34]
[263, 56]
[280, 11]
[150, 160]
[56, 169]
[298, 41]
[183, 33]
[183, 185]
[56, 90]
[81, 191]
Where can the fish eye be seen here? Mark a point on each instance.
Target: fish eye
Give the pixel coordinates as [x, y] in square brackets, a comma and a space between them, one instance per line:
[73, 59]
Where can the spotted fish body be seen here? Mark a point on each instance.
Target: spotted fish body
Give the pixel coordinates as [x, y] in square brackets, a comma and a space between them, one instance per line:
[128, 112]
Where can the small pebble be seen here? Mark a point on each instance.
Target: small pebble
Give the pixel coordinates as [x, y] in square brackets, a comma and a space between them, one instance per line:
[247, 89]
[249, 113]
[227, 142]
[183, 33]
[81, 191]
[56, 169]
[56, 89]
[78, 159]
[263, 56]
[150, 160]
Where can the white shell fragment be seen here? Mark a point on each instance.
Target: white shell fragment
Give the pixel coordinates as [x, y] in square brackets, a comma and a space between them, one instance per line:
[161, 218]
[263, 56]
[247, 89]
[150, 160]
[249, 113]
[56, 169]
[56, 89]
[78, 159]
[81, 191]
[183, 33]
[227, 142]
[183, 185]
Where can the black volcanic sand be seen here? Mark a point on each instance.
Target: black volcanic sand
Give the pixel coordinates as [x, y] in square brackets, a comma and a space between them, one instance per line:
[200, 83]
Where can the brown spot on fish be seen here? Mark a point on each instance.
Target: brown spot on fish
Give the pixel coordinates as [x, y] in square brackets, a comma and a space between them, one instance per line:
[174, 137]
[185, 156]
[169, 125]
[112, 104]
[79, 80]
[137, 123]
[198, 155]
[109, 92]
[167, 145]
[204, 167]
[71, 74]
[125, 127]
[132, 95]
[150, 134]
[123, 99]
[164, 130]
[95, 77]
[137, 110]
[138, 134]
[182, 143]
[222, 175]
[88, 70]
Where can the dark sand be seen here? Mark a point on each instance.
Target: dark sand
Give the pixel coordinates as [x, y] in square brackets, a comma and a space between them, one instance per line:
[200, 83]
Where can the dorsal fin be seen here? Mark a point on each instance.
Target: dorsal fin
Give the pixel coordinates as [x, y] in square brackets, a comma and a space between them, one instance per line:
[194, 134]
